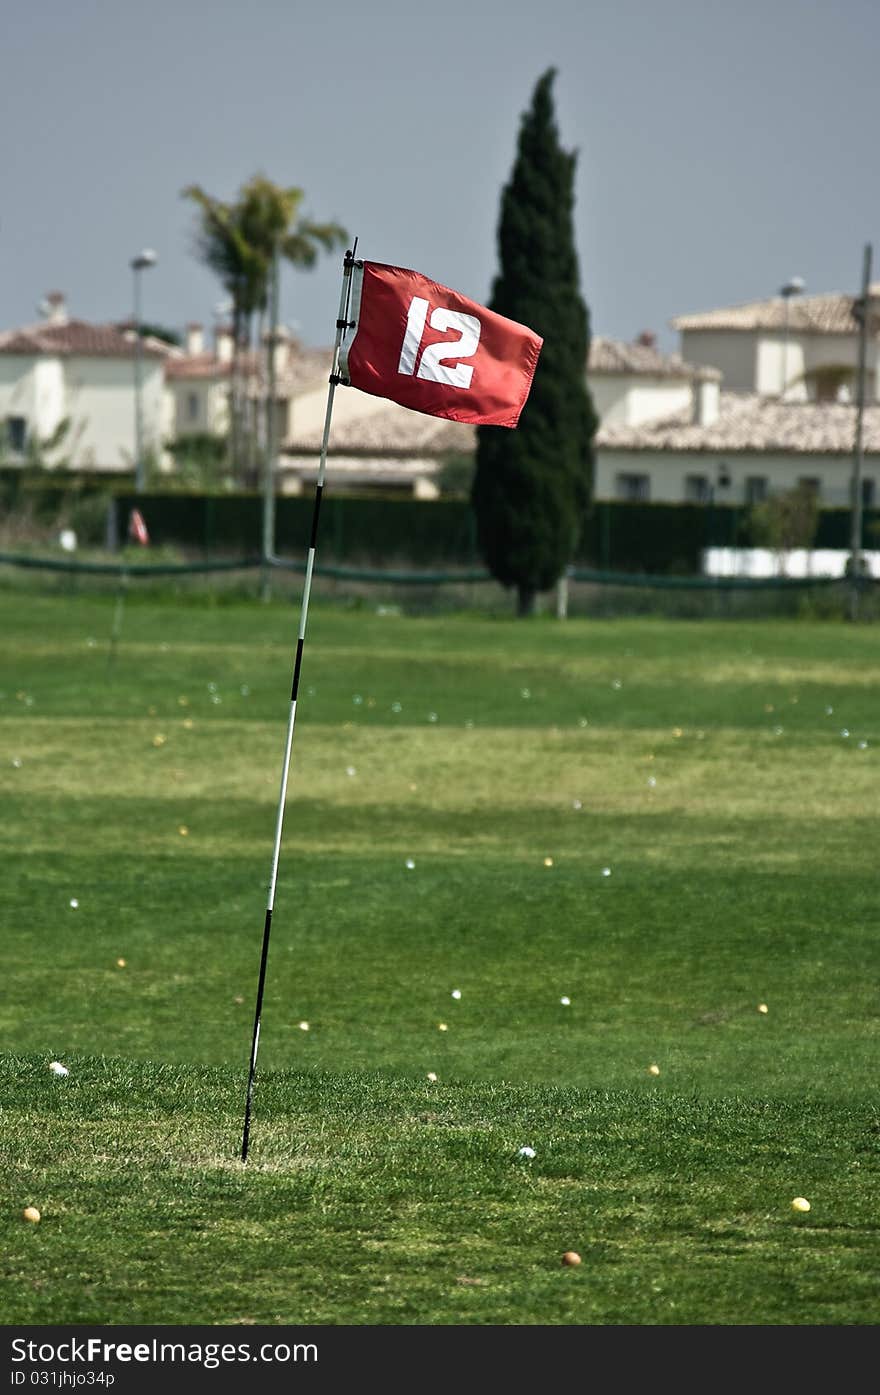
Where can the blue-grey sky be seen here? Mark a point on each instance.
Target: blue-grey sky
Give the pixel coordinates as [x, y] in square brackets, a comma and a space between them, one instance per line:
[722, 148]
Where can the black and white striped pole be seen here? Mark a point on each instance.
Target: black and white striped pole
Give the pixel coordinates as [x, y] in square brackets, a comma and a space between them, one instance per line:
[342, 324]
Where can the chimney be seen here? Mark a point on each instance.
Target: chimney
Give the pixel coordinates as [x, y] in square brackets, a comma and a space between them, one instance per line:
[223, 343]
[195, 339]
[706, 397]
[54, 307]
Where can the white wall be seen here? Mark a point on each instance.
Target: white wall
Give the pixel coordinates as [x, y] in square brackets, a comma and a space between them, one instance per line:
[33, 388]
[734, 352]
[795, 561]
[101, 403]
[97, 394]
[829, 350]
[776, 363]
[753, 362]
[807, 353]
[50, 395]
[622, 400]
[18, 387]
[309, 408]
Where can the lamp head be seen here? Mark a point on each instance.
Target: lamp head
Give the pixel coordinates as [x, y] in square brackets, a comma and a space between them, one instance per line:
[793, 287]
[147, 258]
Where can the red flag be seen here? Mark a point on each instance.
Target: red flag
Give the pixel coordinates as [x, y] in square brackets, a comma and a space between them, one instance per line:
[433, 350]
[137, 528]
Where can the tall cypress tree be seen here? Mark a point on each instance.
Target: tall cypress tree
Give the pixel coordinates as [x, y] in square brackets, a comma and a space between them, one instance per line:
[532, 485]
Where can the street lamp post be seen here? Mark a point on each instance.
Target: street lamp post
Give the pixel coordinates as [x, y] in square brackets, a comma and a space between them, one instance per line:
[793, 287]
[270, 467]
[862, 313]
[139, 264]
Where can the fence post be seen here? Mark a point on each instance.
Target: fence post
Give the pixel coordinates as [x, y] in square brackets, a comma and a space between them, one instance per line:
[562, 595]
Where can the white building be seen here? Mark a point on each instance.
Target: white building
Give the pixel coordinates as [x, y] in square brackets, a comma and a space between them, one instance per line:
[198, 381]
[760, 398]
[68, 388]
[374, 442]
[739, 452]
[671, 430]
[801, 348]
[784, 414]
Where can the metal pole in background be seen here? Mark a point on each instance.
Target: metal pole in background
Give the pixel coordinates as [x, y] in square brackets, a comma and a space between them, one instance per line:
[270, 469]
[139, 264]
[860, 311]
[793, 287]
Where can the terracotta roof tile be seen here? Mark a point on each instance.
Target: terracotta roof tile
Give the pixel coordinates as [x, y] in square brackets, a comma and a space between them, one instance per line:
[807, 314]
[747, 422]
[74, 338]
[390, 428]
[612, 356]
[305, 368]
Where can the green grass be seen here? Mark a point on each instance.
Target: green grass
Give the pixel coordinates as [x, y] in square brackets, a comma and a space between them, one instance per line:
[511, 763]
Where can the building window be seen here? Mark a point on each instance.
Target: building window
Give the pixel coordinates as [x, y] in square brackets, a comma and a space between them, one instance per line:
[16, 433]
[696, 489]
[868, 493]
[633, 489]
[192, 406]
[811, 483]
[756, 489]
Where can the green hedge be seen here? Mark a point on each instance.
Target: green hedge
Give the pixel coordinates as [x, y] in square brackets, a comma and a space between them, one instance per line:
[666, 539]
[369, 530]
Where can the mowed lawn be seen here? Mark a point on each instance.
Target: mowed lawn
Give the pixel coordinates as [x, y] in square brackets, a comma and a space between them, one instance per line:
[604, 890]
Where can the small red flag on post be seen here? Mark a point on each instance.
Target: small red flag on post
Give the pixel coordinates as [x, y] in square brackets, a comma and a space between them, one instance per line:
[431, 349]
[137, 528]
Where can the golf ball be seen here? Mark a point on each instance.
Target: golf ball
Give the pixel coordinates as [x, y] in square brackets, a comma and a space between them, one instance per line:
[800, 1203]
[30, 1213]
[58, 1069]
[571, 1258]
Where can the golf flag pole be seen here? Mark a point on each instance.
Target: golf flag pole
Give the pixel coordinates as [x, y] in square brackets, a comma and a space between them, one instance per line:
[341, 325]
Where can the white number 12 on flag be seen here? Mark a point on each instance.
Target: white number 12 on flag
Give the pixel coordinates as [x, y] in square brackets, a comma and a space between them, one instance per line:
[431, 365]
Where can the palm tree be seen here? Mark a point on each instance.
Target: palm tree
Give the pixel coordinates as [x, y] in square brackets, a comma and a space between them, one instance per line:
[242, 242]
